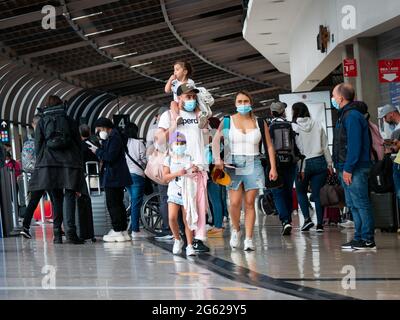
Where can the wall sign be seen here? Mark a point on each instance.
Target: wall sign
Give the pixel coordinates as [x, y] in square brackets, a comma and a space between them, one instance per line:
[350, 68]
[4, 131]
[389, 71]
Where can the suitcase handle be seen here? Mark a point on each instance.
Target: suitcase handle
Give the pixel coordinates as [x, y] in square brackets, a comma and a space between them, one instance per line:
[97, 175]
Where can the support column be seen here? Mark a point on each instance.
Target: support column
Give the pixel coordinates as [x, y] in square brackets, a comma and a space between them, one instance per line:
[367, 83]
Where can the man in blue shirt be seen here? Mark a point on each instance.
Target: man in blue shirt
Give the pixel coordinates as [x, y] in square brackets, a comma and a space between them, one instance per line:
[351, 154]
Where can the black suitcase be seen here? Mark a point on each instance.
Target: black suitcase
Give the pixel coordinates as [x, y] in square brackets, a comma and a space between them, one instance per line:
[84, 225]
[385, 211]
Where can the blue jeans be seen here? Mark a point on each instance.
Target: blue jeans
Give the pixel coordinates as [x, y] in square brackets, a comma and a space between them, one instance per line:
[357, 199]
[396, 179]
[217, 198]
[315, 172]
[136, 191]
[283, 197]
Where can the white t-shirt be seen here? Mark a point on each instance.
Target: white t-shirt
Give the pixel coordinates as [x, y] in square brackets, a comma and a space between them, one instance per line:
[175, 86]
[137, 151]
[194, 135]
[175, 164]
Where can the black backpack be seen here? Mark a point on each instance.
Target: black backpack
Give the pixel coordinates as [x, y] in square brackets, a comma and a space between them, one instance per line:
[283, 138]
[57, 131]
[381, 176]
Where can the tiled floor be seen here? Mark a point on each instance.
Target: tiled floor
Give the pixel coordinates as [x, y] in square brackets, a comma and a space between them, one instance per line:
[142, 270]
[134, 270]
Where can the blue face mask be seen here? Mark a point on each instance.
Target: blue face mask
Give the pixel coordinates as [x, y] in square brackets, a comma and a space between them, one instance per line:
[179, 150]
[190, 105]
[335, 104]
[244, 109]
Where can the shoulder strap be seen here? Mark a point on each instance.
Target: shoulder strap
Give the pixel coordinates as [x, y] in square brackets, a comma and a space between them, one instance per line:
[226, 127]
[260, 122]
[133, 160]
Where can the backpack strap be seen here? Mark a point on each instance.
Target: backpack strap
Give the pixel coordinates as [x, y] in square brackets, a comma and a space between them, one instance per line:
[226, 127]
[261, 122]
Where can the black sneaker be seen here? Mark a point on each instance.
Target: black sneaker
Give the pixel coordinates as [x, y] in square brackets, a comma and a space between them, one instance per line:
[365, 245]
[199, 246]
[25, 233]
[320, 228]
[308, 224]
[287, 229]
[349, 245]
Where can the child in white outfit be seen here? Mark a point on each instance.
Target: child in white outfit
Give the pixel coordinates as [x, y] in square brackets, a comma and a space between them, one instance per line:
[182, 72]
[177, 165]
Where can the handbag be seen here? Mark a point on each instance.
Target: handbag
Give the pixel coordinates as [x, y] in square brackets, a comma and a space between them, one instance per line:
[332, 193]
[148, 186]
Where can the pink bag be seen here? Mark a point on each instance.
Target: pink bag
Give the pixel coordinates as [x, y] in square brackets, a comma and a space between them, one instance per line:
[155, 166]
[377, 142]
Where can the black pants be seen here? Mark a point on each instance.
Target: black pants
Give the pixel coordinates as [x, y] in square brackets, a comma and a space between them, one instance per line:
[164, 206]
[70, 200]
[116, 208]
[32, 205]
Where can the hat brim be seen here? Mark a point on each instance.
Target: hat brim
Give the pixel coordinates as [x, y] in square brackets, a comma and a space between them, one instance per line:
[224, 181]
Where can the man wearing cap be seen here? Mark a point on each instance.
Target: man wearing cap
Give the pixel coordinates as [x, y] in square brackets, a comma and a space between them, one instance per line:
[283, 196]
[116, 177]
[390, 114]
[351, 155]
[188, 107]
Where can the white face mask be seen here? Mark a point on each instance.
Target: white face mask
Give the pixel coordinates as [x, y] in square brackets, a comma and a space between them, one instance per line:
[103, 135]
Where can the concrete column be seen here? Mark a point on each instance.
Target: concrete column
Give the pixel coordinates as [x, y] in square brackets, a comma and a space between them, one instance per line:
[367, 82]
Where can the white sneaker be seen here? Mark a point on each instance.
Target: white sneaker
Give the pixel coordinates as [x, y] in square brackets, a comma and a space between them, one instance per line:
[348, 224]
[235, 238]
[126, 235]
[249, 245]
[136, 235]
[113, 236]
[190, 251]
[178, 245]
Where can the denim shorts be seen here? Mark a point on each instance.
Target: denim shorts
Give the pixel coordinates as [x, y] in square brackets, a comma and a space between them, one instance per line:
[249, 171]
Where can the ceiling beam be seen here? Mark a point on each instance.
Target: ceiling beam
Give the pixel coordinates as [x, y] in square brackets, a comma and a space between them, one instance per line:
[91, 69]
[38, 15]
[46, 52]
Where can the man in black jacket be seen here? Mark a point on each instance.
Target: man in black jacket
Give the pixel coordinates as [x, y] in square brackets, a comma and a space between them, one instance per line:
[58, 164]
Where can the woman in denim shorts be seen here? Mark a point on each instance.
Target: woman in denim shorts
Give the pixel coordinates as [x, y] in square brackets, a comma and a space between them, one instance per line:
[244, 167]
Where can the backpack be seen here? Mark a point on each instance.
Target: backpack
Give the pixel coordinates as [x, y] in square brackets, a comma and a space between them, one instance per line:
[28, 156]
[205, 98]
[57, 131]
[375, 138]
[283, 138]
[381, 176]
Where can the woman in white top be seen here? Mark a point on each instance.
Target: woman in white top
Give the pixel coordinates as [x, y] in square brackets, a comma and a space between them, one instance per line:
[313, 144]
[136, 161]
[248, 175]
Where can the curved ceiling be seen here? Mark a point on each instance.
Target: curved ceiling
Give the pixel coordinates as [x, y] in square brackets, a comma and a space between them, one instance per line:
[104, 49]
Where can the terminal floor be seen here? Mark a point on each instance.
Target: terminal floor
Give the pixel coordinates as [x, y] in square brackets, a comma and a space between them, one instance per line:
[300, 266]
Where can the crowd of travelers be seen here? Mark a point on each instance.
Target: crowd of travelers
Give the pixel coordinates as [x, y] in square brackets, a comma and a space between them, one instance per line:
[202, 161]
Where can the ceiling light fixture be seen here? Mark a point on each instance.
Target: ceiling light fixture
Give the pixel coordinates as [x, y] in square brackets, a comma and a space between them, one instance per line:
[112, 45]
[125, 55]
[97, 32]
[141, 64]
[87, 16]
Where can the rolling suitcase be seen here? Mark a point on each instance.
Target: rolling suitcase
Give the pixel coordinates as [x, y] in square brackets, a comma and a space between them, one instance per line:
[84, 225]
[101, 218]
[385, 211]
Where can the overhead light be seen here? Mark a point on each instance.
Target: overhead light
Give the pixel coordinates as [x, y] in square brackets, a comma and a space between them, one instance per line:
[269, 100]
[112, 45]
[125, 55]
[97, 32]
[271, 19]
[198, 83]
[266, 33]
[313, 81]
[272, 44]
[281, 53]
[141, 64]
[213, 89]
[228, 94]
[87, 16]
